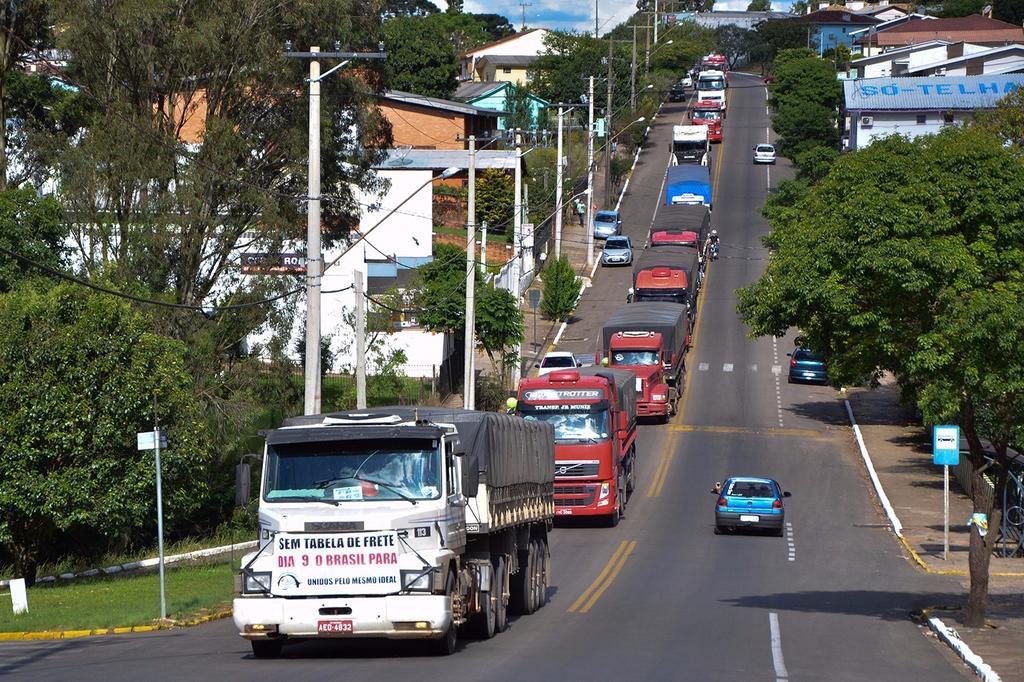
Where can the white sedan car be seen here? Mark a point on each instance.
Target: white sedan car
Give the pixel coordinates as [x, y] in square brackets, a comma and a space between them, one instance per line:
[764, 153]
[555, 361]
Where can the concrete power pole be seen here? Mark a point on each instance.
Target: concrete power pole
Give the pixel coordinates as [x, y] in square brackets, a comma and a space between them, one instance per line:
[632, 75]
[558, 189]
[469, 379]
[590, 174]
[647, 47]
[608, 134]
[596, 27]
[357, 282]
[313, 258]
[655, 22]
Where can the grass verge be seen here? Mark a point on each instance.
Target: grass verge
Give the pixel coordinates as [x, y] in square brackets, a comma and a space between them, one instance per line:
[121, 601]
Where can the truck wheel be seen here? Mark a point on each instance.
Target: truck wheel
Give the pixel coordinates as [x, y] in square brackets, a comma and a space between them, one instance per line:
[484, 623]
[541, 588]
[522, 583]
[445, 645]
[501, 603]
[266, 648]
[545, 572]
[620, 505]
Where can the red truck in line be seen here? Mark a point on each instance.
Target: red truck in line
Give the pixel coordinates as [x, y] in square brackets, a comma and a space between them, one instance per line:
[666, 273]
[649, 339]
[709, 113]
[593, 411]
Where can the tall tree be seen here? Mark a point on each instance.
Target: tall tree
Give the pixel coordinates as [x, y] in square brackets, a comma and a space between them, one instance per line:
[496, 25]
[408, 8]
[927, 287]
[760, 6]
[32, 227]
[735, 42]
[804, 99]
[1010, 11]
[80, 374]
[500, 327]
[421, 57]
[24, 32]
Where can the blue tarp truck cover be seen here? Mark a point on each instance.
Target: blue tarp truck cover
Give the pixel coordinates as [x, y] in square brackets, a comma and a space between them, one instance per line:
[688, 184]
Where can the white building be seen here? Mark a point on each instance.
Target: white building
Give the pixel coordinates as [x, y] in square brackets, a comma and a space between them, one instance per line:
[524, 43]
[879, 107]
[995, 60]
[905, 60]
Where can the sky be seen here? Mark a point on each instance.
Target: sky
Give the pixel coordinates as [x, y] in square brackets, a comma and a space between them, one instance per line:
[575, 14]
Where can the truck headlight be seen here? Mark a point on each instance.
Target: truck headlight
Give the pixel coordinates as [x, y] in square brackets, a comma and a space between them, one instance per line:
[417, 581]
[256, 583]
[659, 397]
[605, 490]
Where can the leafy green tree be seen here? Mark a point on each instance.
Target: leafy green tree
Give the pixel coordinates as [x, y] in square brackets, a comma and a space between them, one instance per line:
[560, 74]
[799, 7]
[804, 99]
[690, 42]
[32, 227]
[455, 6]
[927, 287]
[499, 328]
[561, 289]
[734, 42]
[1010, 11]
[440, 290]
[961, 8]
[760, 6]
[462, 31]
[78, 376]
[517, 104]
[408, 8]
[495, 199]
[421, 57]
[496, 25]
[1006, 121]
[777, 35]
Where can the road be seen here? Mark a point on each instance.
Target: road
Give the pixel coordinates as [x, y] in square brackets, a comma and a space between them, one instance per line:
[660, 597]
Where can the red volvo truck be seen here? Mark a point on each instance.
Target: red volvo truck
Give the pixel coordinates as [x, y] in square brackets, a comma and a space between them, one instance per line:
[649, 339]
[709, 113]
[593, 411]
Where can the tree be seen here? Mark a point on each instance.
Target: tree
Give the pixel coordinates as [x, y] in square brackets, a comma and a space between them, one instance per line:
[421, 57]
[760, 6]
[560, 74]
[32, 227]
[520, 113]
[776, 35]
[561, 289]
[961, 8]
[799, 7]
[804, 99]
[1010, 11]
[408, 8]
[455, 6]
[495, 197]
[734, 42]
[499, 328]
[78, 376]
[462, 31]
[440, 290]
[496, 25]
[926, 287]
[1006, 121]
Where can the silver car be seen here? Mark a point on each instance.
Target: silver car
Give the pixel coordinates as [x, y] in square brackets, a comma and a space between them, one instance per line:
[607, 224]
[618, 250]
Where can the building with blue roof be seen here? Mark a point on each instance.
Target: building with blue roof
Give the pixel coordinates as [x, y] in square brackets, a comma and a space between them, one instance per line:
[879, 107]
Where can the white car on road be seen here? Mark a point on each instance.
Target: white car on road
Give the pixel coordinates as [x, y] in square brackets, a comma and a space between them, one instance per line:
[764, 153]
[555, 361]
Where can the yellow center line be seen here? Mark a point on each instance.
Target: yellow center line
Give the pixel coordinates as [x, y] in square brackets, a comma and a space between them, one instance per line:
[611, 578]
[662, 467]
[770, 431]
[597, 581]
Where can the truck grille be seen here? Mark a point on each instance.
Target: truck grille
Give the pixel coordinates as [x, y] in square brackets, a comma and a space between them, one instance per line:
[588, 492]
[576, 469]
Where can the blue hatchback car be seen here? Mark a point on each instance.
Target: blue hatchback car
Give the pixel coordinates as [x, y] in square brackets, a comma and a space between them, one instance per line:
[749, 502]
[806, 365]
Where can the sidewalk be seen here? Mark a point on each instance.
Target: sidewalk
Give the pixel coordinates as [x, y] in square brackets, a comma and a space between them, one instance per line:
[901, 452]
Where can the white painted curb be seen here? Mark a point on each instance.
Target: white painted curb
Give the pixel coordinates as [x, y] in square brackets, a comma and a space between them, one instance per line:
[144, 563]
[952, 638]
[897, 527]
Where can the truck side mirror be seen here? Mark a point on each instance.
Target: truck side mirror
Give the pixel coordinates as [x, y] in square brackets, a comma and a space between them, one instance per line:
[243, 484]
[470, 474]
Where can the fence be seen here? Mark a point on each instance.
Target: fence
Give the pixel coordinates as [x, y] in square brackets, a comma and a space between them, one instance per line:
[1010, 541]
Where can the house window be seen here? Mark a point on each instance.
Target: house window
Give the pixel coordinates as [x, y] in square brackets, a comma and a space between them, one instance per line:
[947, 118]
[922, 119]
[506, 70]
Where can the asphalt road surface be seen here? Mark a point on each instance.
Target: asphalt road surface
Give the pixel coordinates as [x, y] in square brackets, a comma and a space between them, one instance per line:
[660, 597]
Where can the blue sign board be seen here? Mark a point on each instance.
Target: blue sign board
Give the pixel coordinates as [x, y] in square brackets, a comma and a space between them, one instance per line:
[946, 445]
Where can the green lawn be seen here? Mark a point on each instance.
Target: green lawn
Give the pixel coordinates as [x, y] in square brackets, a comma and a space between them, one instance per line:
[114, 601]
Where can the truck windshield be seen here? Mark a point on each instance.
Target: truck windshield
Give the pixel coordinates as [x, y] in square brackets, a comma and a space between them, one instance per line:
[635, 357]
[706, 115]
[711, 83]
[663, 296]
[575, 426]
[690, 147]
[353, 470]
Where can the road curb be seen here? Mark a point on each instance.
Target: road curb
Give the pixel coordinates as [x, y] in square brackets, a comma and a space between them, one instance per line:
[134, 629]
[951, 638]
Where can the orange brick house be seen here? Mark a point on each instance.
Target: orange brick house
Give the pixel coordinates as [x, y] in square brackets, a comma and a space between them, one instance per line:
[424, 122]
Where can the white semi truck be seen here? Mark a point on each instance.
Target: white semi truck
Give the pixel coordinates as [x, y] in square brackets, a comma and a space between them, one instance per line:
[711, 87]
[398, 523]
[690, 144]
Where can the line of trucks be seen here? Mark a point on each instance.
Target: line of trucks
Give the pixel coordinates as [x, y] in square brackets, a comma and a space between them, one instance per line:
[424, 523]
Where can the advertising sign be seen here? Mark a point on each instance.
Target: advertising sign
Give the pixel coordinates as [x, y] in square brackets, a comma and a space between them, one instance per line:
[335, 563]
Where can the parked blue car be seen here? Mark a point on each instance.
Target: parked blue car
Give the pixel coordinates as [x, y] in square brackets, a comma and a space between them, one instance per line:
[806, 365]
[607, 224]
[751, 503]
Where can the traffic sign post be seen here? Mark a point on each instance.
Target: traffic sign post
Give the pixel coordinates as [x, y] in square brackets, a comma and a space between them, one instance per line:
[945, 451]
[154, 440]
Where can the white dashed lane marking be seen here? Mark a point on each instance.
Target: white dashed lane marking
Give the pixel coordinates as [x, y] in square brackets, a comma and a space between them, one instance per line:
[791, 545]
[703, 367]
[727, 367]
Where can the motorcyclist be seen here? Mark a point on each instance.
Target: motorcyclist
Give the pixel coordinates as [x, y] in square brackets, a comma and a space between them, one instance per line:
[713, 244]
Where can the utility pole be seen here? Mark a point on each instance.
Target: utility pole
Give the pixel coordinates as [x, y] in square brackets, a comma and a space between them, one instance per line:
[632, 75]
[558, 189]
[596, 27]
[314, 260]
[655, 22]
[647, 47]
[468, 379]
[590, 174]
[357, 283]
[517, 249]
[524, 5]
[608, 133]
